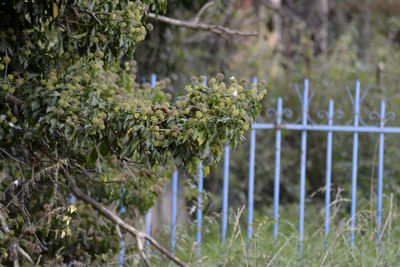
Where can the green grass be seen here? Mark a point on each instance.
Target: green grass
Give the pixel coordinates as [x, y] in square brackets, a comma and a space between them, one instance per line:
[318, 250]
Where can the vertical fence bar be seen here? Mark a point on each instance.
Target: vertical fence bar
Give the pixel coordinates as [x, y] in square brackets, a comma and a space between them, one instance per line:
[251, 183]
[199, 214]
[355, 158]
[153, 78]
[199, 207]
[71, 202]
[380, 171]
[122, 243]
[174, 206]
[148, 223]
[225, 194]
[277, 165]
[251, 180]
[328, 168]
[121, 253]
[303, 166]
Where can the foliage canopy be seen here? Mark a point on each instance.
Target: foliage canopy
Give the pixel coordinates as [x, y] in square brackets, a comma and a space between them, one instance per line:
[70, 104]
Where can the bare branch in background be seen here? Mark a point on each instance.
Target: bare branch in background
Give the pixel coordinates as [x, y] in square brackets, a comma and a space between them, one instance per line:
[201, 11]
[219, 30]
[282, 11]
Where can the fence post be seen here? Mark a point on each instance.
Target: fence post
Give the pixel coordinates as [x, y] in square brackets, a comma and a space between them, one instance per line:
[380, 171]
[303, 166]
[174, 204]
[277, 165]
[251, 183]
[199, 207]
[153, 78]
[355, 158]
[199, 201]
[251, 179]
[328, 168]
[225, 194]
[122, 242]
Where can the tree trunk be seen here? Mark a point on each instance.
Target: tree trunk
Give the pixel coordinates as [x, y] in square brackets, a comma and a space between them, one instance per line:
[320, 26]
[365, 33]
[276, 35]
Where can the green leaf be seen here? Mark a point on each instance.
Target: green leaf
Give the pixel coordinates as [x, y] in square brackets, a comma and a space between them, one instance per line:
[35, 105]
[103, 149]
[93, 156]
[79, 36]
[206, 171]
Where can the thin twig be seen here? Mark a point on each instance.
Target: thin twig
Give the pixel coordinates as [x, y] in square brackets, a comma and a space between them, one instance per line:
[13, 99]
[201, 11]
[388, 218]
[139, 242]
[279, 250]
[8, 154]
[235, 233]
[91, 13]
[201, 26]
[38, 260]
[26, 255]
[15, 252]
[16, 246]
[82, 170]
[4, 225]
[281, 11]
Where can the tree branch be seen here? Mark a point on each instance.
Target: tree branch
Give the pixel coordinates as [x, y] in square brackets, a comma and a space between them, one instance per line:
[15, 159]
[15, 252]
[201, 11]
[17, 248]
[86, 173]
[122, 224]
[283, 12]
[26, 255]
[13, 99]
[90, 13]
[201, 26]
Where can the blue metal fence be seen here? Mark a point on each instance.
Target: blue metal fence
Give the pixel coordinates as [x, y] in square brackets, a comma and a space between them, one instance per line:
[357, 126]
[304, 124]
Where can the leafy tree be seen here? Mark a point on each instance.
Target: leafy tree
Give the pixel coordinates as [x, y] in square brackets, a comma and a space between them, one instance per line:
[74, 120]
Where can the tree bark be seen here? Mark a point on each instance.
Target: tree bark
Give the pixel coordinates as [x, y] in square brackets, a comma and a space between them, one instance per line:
[321, 26]
[276, 34]
[365, 33]
[219, 30]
